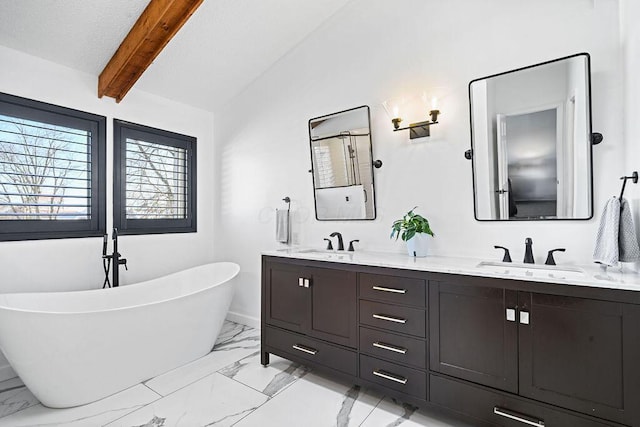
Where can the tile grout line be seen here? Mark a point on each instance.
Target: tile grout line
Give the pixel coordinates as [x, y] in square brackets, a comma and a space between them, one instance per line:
[374, 408]
[259, 391]
[153, 391]
[188, 384]
[136, 409]
[269, 398]
[161, 396]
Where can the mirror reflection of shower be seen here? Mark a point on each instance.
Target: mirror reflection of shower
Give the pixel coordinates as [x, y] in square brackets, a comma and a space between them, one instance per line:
[342, 165]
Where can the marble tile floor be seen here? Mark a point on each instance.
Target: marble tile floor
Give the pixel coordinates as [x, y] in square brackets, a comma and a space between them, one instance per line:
[224, 388]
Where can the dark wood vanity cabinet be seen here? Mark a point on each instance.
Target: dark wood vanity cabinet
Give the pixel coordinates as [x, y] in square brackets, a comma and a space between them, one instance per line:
[503, 352]
[470, 336]
[318, 302]
[313, 308]
[580, 354]
[571, 352]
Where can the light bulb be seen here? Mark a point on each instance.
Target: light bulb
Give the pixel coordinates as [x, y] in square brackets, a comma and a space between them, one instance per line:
[434, 103]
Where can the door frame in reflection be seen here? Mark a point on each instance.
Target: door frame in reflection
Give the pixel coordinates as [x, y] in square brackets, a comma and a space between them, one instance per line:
[506, 199]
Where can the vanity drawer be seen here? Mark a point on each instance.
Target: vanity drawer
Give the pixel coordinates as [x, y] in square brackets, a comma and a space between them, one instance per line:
[410, 351]
[407, 320]
[396, 377]
[482, 404]
[400, 290]
[313, 350]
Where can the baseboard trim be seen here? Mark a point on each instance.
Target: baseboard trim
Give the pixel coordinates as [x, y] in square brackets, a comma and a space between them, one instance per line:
[243, 319]
[6, 373]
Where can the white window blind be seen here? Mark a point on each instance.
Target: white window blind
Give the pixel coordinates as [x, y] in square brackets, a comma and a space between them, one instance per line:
[45, 171]
[156, 181]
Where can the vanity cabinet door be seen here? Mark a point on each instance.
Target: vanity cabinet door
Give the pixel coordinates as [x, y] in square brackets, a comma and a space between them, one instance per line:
[287, 299]
[580, 354]
[333, 314]
[473, 333]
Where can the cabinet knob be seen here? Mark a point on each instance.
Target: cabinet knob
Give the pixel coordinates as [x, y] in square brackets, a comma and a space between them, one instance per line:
[303, 282]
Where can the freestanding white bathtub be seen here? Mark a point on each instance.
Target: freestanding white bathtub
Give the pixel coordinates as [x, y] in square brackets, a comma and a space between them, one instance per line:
[72, 348]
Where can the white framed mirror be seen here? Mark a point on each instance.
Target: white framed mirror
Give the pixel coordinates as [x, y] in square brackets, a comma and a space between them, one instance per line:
[531, 142]
[342, 165]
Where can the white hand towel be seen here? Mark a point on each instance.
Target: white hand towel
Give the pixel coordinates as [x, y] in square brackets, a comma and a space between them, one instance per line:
[627, 238]
[607, 250]
[282, 225]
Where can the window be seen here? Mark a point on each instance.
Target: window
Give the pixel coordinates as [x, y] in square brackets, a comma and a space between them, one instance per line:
[52, 171]
[154, 180]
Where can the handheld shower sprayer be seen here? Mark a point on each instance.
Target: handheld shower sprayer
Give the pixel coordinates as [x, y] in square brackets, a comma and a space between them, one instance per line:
[105, 239]
[112, 261]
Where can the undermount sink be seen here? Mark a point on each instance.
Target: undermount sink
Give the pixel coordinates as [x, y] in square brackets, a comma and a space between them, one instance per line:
[532, 270]
[326, 254]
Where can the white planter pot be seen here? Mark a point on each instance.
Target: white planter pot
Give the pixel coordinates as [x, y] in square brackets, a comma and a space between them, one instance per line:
[418, 244]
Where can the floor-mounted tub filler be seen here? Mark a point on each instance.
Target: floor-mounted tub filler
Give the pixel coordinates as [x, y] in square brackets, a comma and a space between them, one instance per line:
[73, 348]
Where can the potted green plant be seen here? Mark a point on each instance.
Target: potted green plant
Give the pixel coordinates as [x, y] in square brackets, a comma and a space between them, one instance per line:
[413, 229]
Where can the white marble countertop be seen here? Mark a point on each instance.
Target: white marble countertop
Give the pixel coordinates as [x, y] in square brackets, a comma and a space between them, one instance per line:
[580, 275]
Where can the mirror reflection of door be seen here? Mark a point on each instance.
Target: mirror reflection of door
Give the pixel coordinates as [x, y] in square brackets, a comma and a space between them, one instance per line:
[530, 163]
[531, 131]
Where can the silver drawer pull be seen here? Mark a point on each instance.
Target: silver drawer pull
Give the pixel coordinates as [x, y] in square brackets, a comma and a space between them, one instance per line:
[518, 417]
[390, 347]
[389, 318]
[392, 290]
[305, 350]
[391, 377]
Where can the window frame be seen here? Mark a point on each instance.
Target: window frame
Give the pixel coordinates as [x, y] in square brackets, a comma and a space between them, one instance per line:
[123, 130]
[30, 109]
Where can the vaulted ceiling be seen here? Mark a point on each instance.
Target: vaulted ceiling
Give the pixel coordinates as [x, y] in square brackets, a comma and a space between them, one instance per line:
[223, 47]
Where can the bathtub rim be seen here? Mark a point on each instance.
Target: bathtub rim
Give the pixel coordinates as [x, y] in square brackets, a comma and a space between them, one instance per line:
[236, 271]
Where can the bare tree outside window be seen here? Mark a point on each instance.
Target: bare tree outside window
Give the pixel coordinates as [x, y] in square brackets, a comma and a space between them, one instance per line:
[156, 179]
[44, 171]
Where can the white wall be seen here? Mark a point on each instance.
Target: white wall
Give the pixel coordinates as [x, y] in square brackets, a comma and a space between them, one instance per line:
[70, 264]
[630, 38]
[370, 52]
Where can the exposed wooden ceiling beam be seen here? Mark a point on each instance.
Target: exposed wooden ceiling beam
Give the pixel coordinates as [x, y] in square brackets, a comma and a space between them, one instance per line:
[157, 24]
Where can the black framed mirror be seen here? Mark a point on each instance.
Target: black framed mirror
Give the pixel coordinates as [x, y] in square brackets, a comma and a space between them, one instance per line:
[342, 165]
[531, 142]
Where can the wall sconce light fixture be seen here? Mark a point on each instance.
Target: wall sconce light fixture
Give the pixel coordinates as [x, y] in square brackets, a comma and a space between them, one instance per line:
[418, 129]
